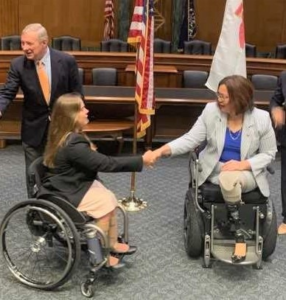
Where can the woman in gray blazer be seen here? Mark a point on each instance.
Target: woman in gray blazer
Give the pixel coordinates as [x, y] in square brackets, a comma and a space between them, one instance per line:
[240, 143]
[73, 165]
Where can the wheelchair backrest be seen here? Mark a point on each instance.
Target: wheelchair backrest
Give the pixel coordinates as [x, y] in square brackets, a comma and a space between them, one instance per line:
[36, 173]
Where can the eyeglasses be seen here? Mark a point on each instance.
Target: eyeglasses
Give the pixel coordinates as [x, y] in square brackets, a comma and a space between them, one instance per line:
[221, 96]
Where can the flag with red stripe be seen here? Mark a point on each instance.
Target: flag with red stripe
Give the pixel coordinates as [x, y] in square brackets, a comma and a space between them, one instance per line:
[142, 35]
[108, 20]
[229, 57]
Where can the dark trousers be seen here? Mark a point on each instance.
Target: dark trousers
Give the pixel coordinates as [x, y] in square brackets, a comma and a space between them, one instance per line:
[31, 153]
[283, 181]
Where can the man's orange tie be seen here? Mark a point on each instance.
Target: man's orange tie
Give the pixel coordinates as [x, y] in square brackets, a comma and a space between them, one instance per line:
[44, 80]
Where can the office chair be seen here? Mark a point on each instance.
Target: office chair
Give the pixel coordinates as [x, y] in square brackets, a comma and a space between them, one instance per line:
[280, 51]
[66, 43]
[197, 47]
[81, 75]
[162, 46]
[114, 45]
[264, 82]
[11, 42]
[104, 76]
[250, 50]
[195, 79]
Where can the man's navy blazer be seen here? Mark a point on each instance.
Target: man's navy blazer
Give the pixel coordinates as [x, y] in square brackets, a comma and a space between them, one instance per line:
[36, 111]
[279, 99]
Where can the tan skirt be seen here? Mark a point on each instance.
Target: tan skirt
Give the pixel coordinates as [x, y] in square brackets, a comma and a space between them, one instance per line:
[98, 201]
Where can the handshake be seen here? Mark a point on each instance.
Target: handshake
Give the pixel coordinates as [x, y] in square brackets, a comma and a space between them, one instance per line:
[150, 157]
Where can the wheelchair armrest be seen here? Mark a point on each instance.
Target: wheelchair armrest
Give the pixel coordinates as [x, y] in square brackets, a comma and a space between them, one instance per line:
[271, 170]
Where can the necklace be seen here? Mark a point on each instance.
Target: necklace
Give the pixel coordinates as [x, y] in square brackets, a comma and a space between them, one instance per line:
[234, 136]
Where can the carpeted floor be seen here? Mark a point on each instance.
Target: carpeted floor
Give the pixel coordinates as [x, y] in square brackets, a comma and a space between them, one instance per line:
[160, 269]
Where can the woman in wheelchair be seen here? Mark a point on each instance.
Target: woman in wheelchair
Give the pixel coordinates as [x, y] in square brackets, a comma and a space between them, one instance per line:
[73, 165]
[240, 143]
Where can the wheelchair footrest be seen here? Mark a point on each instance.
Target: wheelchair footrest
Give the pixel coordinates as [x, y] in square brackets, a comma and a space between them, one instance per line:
[223, 251]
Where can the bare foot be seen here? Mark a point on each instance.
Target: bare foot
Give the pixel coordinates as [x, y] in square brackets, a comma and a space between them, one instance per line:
[120, 248]
[112, 261]
[282, 229]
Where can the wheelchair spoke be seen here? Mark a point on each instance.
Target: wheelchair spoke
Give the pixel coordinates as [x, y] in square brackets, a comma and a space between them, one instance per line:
[39, 245]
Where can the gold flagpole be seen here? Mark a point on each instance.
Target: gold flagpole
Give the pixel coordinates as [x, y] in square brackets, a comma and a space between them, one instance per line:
[132, 203]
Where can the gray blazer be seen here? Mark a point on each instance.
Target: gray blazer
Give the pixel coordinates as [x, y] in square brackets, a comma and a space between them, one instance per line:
[258, 142]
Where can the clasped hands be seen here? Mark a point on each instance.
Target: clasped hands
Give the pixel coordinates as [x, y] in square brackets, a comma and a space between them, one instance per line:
[150, 157]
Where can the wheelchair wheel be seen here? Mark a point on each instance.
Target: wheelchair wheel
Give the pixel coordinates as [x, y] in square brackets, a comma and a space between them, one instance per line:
[270, 237]
[30, 246]
[192, 228]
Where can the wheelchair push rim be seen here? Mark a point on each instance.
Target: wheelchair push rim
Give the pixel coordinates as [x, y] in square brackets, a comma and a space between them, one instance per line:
[31, 248]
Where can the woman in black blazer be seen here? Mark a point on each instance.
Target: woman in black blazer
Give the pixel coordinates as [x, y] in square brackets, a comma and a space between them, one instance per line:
[73, 165]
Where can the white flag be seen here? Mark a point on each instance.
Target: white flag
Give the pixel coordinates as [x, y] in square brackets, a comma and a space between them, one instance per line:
[229, 57]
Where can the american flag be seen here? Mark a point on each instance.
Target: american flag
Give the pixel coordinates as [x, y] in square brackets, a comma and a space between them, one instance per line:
[108, 20]
[142, 35]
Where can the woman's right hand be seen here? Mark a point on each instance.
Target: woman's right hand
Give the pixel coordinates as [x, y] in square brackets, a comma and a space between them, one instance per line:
[149, 158]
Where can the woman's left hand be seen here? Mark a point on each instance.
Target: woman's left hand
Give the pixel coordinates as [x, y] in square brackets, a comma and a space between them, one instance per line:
[235, 165]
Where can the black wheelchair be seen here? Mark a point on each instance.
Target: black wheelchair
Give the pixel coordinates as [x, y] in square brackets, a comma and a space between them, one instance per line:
[208, 228]
[42, 240]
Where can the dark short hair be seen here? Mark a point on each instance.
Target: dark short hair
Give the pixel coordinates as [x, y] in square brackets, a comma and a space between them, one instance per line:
[240, 91]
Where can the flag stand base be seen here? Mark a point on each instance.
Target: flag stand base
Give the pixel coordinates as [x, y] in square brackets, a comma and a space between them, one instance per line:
[133, 203]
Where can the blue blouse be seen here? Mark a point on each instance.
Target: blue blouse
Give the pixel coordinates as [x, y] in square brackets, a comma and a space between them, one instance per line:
[231, 149]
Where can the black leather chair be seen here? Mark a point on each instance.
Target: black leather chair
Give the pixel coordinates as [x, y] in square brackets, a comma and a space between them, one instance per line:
[264, 82]
[195, 79]
[66, 43]
[250, 50]
[280, 51]
[107, 122]
[81, 75]
[197, 47]
[11, 42]
[114, 45]
[162, 46]
[104, 76]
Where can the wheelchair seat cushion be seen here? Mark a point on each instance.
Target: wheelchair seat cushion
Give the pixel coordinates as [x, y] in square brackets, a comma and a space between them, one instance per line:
[212, 193]
[77, 217]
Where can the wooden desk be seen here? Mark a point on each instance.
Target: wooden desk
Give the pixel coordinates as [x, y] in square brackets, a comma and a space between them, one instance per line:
[176, 109]
[120, 61]
[164, 75]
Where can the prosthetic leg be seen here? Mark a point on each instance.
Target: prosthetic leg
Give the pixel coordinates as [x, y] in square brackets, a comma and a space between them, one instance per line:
[231, 190]
[239, 252]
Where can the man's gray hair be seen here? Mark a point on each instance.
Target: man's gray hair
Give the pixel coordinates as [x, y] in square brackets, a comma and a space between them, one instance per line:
[38, 28]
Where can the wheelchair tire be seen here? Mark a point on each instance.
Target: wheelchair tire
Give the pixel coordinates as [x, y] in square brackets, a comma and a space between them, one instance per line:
[270, 238]
[34, 256]
[192, 227]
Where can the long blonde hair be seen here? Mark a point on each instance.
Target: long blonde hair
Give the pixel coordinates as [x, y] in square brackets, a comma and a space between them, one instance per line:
[63, 122]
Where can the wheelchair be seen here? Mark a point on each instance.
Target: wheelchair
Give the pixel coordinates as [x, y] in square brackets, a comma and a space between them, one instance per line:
[42, 240]
[208, 229]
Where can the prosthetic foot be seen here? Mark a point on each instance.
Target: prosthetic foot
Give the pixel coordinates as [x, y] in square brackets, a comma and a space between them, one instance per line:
[240, 248]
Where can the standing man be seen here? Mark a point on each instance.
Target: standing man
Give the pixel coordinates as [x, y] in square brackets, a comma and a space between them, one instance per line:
[277, 107]
[43, 74]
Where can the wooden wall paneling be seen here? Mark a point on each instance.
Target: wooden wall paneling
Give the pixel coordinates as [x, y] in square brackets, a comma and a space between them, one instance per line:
[120, 61]
[283, 34]
[164, 8]
[82, 19]
[264, 23]
[209, 16]
[9, 16]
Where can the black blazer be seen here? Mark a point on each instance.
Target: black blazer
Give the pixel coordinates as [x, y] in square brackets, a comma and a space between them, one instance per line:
[35, 112]
[279, 99]
[77, 166]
